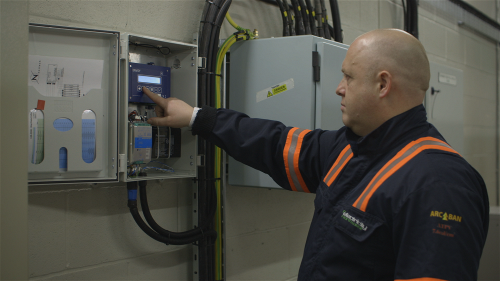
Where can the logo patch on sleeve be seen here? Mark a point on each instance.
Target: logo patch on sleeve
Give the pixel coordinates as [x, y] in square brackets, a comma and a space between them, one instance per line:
[446, 216]
[445, 226]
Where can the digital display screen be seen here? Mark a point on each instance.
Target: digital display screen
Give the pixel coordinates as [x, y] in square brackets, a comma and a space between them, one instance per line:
[149, 79]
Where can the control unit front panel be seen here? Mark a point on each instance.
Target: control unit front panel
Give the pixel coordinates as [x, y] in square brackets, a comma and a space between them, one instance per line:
[154, 77]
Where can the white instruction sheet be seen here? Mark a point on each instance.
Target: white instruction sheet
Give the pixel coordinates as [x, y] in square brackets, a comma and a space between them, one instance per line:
[64, 77]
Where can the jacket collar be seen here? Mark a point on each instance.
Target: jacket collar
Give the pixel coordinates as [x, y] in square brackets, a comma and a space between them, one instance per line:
[399, 129]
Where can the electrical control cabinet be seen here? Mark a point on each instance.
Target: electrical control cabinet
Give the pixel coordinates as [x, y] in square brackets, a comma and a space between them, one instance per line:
[168, 69]
[289, 79]
[88, 115]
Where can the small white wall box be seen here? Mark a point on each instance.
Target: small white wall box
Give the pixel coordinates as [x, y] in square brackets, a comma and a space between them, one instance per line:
[444, 103]
[289, 79]
[80, 124]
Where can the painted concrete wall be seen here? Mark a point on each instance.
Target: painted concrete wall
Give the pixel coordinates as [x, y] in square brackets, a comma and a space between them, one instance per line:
[13, 141]
[84, 232]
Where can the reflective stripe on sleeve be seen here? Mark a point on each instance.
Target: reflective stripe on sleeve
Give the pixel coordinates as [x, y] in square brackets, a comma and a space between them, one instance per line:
[421, 279]
[401, 158]
[291, 155]
[339, 164]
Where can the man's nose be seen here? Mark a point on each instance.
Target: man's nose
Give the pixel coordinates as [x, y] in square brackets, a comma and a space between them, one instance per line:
[340, 88]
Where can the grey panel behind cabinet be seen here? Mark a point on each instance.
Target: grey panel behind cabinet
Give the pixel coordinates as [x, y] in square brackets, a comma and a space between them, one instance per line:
[258, 66]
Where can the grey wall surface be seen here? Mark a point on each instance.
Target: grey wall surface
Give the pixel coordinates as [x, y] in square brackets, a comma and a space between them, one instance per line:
[84, 232]
[13, 141]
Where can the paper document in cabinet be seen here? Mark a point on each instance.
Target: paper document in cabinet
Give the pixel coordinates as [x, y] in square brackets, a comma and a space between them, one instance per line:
[64, 77]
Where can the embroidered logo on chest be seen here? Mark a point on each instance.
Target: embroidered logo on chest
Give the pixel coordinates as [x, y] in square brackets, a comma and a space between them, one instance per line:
[354, 221]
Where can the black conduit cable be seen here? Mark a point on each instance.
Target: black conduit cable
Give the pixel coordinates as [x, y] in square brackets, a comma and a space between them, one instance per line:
[212, 51]
[291, 26]
[207, 97]
[324, 20]
[330, 29]
[312, 17]
[405, 16]
[207, 243]
[192, 235]
[205, 49]
[132, 205]
[284, 18]
[412, 11]
[337, 29]
[305, 16]
[210, 11]
[319, 16]
[288, 8]
[299, 24]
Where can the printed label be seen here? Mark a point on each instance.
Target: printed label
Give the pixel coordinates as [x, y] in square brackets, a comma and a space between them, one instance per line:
[275, 90]
[447, 79]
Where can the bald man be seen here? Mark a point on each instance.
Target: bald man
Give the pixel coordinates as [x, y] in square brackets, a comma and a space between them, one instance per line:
[393, 200]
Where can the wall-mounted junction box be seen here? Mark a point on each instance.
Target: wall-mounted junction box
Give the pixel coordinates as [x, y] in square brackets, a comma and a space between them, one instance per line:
[289, 79]
[86, 125]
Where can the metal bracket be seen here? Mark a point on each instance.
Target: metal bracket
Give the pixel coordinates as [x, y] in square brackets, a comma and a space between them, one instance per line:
[200, 160]
[124, 47]
[202, 62]
[122, 163]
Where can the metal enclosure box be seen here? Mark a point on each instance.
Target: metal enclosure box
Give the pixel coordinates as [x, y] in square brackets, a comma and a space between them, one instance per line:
[181, 58]
[73, 76]
[444, 103]
[78, 104]
[274, 79]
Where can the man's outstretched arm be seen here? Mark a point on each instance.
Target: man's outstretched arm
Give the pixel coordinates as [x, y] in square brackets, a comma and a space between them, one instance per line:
[284, 153]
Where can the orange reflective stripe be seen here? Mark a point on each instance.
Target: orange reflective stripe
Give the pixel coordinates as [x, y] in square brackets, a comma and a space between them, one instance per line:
[291, 155]
[344, 157]
[285, 156]
[398, 161]
[421, 279]
[296, 161]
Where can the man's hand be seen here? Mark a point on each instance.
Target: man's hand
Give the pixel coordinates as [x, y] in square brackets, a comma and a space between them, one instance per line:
[170, 112]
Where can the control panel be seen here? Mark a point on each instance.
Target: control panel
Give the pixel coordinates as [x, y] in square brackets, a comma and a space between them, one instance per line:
[154, 77]
[88, 115]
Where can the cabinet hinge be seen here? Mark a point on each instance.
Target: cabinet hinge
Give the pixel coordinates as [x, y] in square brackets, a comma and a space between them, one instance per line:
[315, 65]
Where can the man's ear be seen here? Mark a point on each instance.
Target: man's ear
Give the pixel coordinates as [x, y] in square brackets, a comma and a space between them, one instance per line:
[384, 83]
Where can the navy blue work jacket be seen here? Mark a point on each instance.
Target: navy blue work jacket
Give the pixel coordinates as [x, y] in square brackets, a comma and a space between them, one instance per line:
[425, 217]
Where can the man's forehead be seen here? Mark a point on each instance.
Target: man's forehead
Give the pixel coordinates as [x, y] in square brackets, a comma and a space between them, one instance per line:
[351, 59]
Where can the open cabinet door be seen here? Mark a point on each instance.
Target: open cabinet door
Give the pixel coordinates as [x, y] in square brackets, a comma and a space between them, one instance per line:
[72, 105]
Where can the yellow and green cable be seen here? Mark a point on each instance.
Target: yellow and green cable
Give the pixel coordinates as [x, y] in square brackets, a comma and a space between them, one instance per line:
[241, 34]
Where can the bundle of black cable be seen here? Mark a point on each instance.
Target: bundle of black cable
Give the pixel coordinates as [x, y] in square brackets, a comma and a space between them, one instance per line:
[208, 46]
[154, 230]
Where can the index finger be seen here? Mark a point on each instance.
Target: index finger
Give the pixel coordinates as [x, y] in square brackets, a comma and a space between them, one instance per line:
[154, 97]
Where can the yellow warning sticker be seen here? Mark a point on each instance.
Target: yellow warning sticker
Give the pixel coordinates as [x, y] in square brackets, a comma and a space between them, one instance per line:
[275, 90]
[279, 89]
